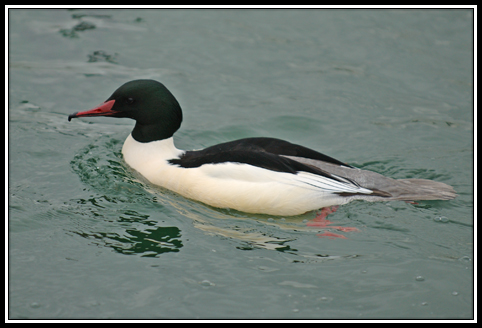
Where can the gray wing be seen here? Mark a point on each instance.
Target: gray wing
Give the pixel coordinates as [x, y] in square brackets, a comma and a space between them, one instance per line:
[390, 189]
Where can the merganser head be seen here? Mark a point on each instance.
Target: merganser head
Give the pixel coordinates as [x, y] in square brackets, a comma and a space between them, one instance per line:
[157, 113]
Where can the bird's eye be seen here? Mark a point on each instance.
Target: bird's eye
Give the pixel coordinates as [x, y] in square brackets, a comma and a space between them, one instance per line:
[129, 101]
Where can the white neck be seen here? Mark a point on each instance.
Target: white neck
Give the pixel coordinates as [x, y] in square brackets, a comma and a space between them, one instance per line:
[140, 154]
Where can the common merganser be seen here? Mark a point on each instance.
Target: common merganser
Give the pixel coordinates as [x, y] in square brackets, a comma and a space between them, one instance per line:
[255, 175]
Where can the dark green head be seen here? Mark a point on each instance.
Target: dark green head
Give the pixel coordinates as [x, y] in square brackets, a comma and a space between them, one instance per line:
[157, 113]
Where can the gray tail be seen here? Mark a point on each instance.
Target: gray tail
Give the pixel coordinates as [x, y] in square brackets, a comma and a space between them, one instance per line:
[419, 189]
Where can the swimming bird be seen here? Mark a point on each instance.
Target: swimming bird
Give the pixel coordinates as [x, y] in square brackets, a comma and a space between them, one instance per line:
[254, 175]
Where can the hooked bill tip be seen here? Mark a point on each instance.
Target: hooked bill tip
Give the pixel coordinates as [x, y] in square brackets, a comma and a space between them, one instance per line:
[71, 116]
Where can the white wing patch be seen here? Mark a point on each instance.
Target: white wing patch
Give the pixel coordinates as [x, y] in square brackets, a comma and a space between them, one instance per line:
[331, 185]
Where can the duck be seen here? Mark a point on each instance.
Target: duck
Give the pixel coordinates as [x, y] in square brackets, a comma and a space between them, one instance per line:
[254, 175]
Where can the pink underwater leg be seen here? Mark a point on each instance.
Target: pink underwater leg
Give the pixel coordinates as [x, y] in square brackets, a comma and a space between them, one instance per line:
[320, 221]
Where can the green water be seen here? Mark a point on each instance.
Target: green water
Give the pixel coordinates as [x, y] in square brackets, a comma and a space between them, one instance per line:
[385, 90]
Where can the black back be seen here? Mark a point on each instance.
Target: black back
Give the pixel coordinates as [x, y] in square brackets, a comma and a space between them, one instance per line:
[261, 152]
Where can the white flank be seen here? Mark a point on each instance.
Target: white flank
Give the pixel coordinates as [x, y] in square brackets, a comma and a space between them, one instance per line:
[238, 186]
